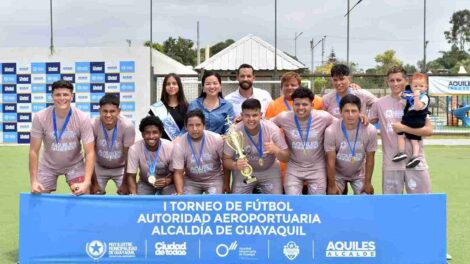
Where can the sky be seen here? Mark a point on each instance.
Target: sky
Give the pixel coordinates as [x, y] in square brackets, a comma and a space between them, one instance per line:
[375, 25]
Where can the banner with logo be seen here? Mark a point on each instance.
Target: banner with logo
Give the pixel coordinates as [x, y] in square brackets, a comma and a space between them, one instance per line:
[449, 85]
[27, 74]
[233, 229]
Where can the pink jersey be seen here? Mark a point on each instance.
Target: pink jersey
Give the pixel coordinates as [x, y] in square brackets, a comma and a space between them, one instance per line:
[269, 130]
[331, 105]
[302, 162]
[335, 140]
[137, 159]
[388, 110]
[107, 156]
[210, 162]
[67, 152]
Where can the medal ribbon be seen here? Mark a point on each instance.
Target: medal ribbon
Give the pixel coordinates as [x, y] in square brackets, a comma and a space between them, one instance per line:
[197, 159]
[152, 164]
[259, 147]
[58, 135]
[345, 133]
[299, 129]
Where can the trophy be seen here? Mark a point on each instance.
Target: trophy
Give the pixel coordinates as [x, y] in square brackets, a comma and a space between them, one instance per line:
[234, 140]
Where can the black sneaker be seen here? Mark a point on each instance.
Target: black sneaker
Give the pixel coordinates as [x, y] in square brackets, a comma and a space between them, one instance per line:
[399, 157]
[414, 161]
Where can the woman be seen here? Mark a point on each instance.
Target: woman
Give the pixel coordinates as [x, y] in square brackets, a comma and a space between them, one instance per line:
[172, 106]
[215, 108]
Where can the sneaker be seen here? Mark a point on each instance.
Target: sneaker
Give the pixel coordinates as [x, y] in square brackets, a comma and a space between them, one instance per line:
[414, 161]
[399, 157]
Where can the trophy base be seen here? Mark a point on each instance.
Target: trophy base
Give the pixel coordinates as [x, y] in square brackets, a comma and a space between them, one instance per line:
[249, 180]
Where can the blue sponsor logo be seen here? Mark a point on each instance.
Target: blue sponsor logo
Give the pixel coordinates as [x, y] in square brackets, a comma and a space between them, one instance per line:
[68, 77]
[38, 107]
[85, 107]
[38, 88]
[23, 98]
[38, 67]
[49, 88]
[9, 78]
[23, 88]
[9, 88]
[97, 88]
[97, 78]
[24, 69]
[9, 98]
[128, 106]
[126, 78]
[82, 87]
[23, 78]
[23, 108]
[97, 67]
[127, 66]
[82, 67]
[111, 68]
[9, 117]
[127, 87]
[24, 117]
[67, 69]
[24, 137]
[51, 78]
[53, 67]
[8, 68]
[9, 127]
[95, 97]
[112, 77]
[10, 137]
[9, 108]
[95, 107]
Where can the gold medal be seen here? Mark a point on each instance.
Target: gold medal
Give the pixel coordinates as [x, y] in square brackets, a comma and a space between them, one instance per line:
[261, 162]
[305, 152]
[353, 160]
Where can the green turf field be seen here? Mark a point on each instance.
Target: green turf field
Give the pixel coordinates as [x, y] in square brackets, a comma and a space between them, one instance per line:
[446, 166]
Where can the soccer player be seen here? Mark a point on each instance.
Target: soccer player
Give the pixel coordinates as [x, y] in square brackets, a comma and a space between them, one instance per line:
[304, 131]
[350, 150]
[151, 157]
[113, 136]
[197, 159]
[61, 128]
[262, 144]
[341, 78]
[245, 77]
[388, 111]
[289, 82]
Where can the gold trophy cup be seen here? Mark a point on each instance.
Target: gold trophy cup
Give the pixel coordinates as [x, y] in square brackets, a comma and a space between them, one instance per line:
[234, 140]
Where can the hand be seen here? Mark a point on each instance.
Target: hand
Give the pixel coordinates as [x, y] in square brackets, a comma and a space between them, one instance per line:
[123, 189]
[80, 188]
[226, 188]
[237, 119]
[368, 189]
[160, 183]
[416, 93]
[333, 190]
[270, 147]
[364, 119]
[397, 127]
[355, 86]
[36, 187]
[241, 164]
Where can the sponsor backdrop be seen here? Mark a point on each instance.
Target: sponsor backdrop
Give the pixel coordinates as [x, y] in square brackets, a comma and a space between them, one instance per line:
[27, 74]
[452, 85]
[233, 229]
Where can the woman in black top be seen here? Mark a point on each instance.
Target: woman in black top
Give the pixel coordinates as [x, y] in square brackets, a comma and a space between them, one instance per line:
[172, 106]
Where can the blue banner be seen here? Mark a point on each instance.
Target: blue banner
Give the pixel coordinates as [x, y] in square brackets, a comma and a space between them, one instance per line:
[233, 229]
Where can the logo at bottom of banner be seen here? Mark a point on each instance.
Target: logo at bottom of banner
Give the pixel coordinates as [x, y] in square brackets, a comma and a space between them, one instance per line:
[97, 249]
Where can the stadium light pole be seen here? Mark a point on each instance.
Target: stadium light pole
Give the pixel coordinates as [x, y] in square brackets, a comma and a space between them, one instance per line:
[153, 92]
[52, 32]
[425, 43]
[295, 43]
[275, 40]
[347, 41]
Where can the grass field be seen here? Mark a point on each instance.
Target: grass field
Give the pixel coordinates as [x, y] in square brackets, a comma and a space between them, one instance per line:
[448, 176]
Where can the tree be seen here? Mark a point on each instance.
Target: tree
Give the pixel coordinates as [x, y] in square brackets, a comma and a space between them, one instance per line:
[386, 60]
[459, 33]
[180, 49]
[216, 48]
[155, 45]
[449, 61]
